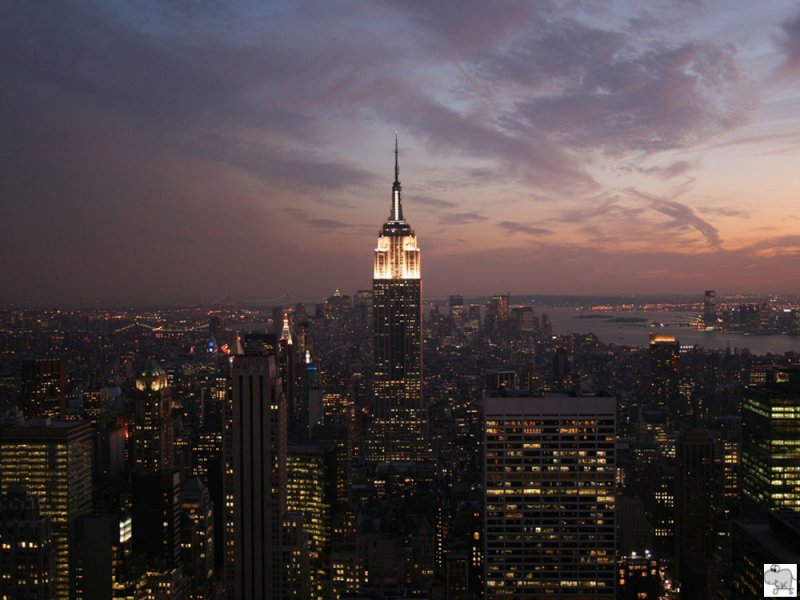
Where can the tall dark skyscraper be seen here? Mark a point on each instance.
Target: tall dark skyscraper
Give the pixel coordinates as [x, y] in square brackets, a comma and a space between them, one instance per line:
[710, 309]
[255, 473]
[399, 419]
[694, 509]
[152, 427]
[664, 372]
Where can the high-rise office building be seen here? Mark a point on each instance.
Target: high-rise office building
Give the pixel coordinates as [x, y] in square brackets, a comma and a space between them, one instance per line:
[759, 542]
[255, 474]
[664, 372]
[311, 492]
[695, 505]
[770, 442]
[710, 309]
[549, 472]
[104, 549]
[27, 553]
[156, 515]
[197, 539]
[496, 320]
[639, 577]
[152, 421]
[398, 431]
[53, 460]
[456, 312]
[286, 370]
[43, 388]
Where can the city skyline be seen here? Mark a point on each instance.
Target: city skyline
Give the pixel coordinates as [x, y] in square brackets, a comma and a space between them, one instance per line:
[166, 154]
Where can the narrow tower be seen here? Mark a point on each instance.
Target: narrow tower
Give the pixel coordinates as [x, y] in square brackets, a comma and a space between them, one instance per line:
[398, 431]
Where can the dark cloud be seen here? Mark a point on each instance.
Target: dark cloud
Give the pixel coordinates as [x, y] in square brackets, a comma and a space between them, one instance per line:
[512, 228]
[317, 222]
[445, 130]
[596, 235]
[674, 169]
[428, 201]
[151, 147]
[723, 211]
[789, 42]
[555, 53]
[682, 217]
[663, 98]
[782, 245]
[592, 87]
[601, 206]
[462, 28]
[464, 218]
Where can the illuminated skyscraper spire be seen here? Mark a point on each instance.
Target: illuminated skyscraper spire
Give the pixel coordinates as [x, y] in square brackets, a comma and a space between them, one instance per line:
[397, 207]
[398, 428]
[286, 332]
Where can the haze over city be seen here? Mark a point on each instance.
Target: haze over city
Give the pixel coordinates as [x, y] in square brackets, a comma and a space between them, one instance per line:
[168, 152]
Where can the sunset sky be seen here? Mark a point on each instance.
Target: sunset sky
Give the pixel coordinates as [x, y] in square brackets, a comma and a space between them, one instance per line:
[178, 151]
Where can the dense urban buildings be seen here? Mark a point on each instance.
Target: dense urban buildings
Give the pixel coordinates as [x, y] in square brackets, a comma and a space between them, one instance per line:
[229, 451]
[351, 526]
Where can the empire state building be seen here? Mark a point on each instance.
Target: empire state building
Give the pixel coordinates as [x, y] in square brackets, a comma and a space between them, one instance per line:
[398, 429]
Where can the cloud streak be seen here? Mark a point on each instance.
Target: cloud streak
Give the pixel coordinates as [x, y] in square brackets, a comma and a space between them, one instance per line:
[524, 228]
[681, 217]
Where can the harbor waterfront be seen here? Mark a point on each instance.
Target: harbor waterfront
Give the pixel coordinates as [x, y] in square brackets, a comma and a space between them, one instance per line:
[633, 328]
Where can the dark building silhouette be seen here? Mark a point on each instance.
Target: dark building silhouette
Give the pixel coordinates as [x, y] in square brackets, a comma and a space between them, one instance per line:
[694, 509]
[664, 373]
[197, 538]
[155, 508]
[255, 474]
[710, 309]
[759, 542]
[43, 388]
[103, 544]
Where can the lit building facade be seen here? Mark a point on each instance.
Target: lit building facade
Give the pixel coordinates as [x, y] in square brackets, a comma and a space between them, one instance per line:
[27, 556]
[398, 431]
[53, 461]
[549, 472]
[639, 577]
[311, 492]
[771, 446]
